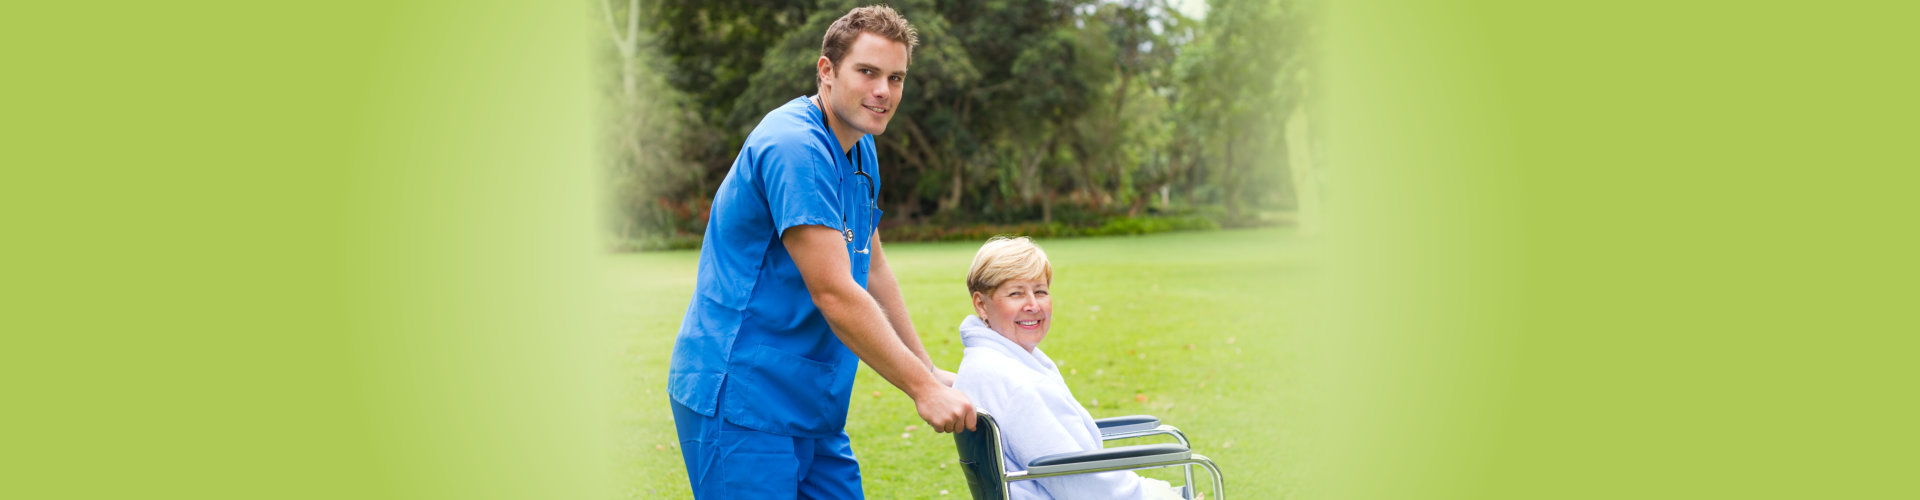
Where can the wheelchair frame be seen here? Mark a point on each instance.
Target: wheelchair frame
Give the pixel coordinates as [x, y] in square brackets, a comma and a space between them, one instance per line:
[981, 451]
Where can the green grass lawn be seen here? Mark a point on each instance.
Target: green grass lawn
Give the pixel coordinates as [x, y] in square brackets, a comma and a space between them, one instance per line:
[1195, 328]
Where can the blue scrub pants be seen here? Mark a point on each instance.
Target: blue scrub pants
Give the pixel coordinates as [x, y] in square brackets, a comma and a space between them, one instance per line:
[729, 461]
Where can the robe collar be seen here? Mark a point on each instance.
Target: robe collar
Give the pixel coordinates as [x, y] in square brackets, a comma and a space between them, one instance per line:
[975, 333]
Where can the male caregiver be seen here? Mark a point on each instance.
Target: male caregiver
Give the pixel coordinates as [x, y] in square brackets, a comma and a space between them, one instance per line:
[793, 284]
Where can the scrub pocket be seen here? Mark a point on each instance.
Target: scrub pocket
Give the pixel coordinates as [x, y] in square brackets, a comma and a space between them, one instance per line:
[757, 465]
[783, 393]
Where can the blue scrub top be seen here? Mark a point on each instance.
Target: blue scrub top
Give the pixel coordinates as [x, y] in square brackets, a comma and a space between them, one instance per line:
[753, 349]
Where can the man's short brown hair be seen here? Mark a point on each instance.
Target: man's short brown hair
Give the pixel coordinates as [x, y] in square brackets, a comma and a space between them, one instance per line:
[876, 19]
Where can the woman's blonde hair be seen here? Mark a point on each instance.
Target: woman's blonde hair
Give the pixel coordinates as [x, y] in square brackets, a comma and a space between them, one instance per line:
[1004, 259]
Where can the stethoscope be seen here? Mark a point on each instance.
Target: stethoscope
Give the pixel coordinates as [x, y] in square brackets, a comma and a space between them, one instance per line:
[846, 227]
[872, 198]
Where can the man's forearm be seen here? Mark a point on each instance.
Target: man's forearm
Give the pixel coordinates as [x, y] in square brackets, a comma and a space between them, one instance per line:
[903, 326]
[859, 323]
[886, 290]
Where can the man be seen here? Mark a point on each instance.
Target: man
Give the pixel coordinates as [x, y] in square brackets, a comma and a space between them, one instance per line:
[793, 283]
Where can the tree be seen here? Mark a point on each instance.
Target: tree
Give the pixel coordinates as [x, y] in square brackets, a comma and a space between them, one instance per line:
[1237, 92]
[1011, 109]
[713, 49]
[648, 133]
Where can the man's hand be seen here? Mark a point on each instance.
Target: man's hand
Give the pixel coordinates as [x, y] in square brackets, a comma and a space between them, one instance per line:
[943, 377]
[945, 409]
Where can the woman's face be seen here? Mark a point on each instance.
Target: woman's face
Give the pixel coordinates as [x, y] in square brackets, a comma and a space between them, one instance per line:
[1020, 310]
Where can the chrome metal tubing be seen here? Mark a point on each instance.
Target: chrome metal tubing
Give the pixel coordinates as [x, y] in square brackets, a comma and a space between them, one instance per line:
[1162, 429]
[1219, 483]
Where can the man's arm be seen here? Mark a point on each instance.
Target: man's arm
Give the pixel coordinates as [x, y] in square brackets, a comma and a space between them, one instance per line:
[856, 318]
[886, 290]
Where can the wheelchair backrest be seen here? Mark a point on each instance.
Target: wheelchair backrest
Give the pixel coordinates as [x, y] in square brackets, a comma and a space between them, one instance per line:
[980, 459]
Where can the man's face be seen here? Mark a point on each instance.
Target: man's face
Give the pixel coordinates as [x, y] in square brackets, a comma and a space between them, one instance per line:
[863, 91]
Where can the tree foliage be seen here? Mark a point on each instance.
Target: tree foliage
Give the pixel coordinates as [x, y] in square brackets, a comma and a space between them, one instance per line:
[1014, 111]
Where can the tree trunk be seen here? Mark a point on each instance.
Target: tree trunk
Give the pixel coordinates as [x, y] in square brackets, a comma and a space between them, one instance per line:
[1030, 171]
[935, 162]
[1046, 207]
[1089, 192]
[1230, 180]
[629, 44]
[952, 200]
[1306, 185]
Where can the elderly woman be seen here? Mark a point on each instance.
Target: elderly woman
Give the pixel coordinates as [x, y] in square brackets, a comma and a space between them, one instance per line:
[1005, 373]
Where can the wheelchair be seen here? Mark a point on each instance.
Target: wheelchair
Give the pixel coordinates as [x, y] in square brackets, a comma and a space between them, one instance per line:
[981, 452]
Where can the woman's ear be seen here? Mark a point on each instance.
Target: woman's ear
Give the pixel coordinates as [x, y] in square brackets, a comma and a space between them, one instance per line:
[980, 306]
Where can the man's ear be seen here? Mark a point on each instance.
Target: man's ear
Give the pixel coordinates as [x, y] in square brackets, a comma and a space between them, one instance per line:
[825, 70]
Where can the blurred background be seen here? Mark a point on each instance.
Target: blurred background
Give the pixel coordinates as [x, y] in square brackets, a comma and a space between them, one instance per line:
[1048, 118]
[357, 249]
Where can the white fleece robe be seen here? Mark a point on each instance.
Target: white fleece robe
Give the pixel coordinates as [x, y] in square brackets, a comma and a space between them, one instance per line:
[1038, 416]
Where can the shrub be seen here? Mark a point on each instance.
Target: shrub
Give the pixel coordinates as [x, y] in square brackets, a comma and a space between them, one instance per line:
[1110, 226]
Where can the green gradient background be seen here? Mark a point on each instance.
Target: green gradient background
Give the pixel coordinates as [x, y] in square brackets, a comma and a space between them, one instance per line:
[340, 250]
[346, 251]
[1622, 250]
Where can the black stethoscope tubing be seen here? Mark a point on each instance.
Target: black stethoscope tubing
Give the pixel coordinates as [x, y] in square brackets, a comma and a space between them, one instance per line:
[873, 197]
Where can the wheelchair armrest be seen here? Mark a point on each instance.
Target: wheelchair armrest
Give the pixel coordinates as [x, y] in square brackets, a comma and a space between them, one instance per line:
[1123, 456]
[1130, 423]
[1133, 426]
